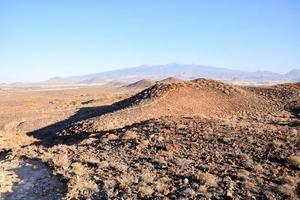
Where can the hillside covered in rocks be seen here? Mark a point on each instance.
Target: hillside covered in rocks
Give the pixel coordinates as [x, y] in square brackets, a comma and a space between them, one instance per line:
[199, 139]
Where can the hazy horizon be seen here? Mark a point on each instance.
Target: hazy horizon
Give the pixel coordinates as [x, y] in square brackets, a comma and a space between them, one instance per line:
[44, 39]
[144, 65]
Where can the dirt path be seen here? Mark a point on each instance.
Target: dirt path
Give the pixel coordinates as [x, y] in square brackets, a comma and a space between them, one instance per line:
[28, 179]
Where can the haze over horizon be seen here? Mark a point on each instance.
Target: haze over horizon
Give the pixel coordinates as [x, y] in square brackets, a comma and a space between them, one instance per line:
[40, 40]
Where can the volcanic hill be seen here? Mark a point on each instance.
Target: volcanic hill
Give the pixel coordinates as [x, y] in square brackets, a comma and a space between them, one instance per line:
[145, 83]
[200, 97]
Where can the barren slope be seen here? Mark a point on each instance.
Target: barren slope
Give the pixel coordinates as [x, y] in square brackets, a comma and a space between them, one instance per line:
[199, 97]
[170, 80]
[144, 83]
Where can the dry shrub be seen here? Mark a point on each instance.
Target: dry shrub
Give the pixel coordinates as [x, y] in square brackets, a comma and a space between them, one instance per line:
[129, 135]
[79, 169]
[82, 186]
[289, 180]
[122, 167]
[112, 137]
[109, 186]
[250, 186]
[103, 164]
[294, 161]
[162, 187]
[145, 191]
[243, 175]
[125, 180]
[147, 176]
[109, 137]
[87, 158]
[247, 161]
[143, 144]
[258, 168]
[59, 161]
[209, 180]
[287, 191]
[289, 187]
[190, 193]
[184, 163]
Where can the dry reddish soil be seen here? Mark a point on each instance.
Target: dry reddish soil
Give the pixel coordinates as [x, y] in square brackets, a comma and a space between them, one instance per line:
[23, 110]
[199, 139]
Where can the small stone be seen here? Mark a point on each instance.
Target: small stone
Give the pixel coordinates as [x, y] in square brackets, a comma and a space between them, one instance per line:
[229, 194]
[112, 137]
[152, 136]
[186, 181]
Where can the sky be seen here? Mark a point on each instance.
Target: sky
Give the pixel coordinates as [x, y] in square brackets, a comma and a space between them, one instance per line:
[43, 39]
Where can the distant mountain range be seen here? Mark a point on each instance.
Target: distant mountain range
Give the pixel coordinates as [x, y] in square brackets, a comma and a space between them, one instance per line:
[181, 71]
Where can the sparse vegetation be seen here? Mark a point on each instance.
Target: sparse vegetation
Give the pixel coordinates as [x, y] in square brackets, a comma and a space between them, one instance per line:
[184, 140]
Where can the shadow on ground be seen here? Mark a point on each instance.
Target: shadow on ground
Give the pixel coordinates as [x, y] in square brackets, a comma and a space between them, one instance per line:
[48, 137]
[34, 180]
[293, 107]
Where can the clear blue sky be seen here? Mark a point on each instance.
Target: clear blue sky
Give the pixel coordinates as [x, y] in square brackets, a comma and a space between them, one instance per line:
[40, 39]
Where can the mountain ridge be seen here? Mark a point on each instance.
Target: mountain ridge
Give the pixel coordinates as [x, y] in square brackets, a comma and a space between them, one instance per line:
[180, 71]
[192, 71]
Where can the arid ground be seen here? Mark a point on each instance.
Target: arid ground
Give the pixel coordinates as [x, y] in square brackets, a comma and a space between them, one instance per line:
[199, 139]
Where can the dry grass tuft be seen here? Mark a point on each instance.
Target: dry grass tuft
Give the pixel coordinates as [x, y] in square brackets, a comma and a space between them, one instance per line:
[79, 169]
[162, 187]
[145, 191]
[147, 176]
[209, 180]
[294, 161]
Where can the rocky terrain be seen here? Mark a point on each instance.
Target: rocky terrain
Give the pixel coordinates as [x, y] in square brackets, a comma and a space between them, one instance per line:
[199, 139]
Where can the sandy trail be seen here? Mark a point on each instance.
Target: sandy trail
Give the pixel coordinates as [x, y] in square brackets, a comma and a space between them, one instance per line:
[28, 179]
